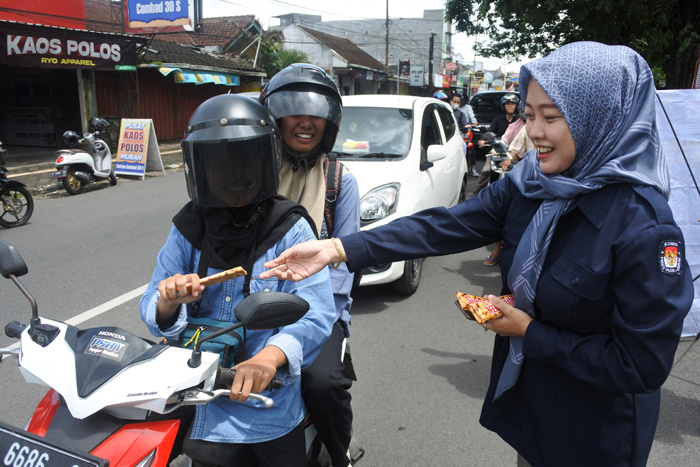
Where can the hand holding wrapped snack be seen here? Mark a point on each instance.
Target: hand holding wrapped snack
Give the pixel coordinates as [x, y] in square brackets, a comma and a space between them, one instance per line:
[479, 308]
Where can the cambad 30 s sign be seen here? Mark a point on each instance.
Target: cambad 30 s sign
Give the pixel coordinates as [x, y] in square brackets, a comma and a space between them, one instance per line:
[44, 48]
[148, 16]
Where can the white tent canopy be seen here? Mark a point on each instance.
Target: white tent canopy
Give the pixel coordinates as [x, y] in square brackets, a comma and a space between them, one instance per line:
[678, 118]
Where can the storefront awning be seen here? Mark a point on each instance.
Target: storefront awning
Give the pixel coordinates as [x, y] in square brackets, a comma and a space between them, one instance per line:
[201, 77]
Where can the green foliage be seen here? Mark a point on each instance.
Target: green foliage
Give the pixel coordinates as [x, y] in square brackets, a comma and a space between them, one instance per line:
[273, 56]
[289, 56]
[665, 32]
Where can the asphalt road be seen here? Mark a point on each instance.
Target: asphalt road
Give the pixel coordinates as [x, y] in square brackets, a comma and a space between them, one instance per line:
[422, 368]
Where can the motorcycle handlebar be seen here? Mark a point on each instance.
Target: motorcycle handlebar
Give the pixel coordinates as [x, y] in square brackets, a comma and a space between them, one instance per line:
[224, 379]
[14, 329]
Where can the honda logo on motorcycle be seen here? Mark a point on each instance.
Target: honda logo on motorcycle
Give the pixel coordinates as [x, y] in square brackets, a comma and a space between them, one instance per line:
[106, 348]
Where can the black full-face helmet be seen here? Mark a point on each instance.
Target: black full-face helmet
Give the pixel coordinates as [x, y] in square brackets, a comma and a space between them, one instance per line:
[303, 89]
[514, 98]
[232, 152]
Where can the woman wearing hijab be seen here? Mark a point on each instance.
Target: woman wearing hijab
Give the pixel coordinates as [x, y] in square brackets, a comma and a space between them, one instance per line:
[590, 252]
[307, 106]
[232, 155]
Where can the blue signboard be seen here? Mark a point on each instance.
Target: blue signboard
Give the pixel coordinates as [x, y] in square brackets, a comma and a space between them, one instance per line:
[158, 15]
[153, 10]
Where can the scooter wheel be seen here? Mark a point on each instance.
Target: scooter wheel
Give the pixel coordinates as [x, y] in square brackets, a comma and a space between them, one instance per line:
[112, 178]
[72, 184]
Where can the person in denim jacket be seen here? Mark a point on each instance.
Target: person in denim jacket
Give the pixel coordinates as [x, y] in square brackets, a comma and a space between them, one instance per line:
[232, 164]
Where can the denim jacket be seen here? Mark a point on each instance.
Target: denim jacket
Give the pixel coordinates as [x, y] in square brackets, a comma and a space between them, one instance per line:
[234, 422]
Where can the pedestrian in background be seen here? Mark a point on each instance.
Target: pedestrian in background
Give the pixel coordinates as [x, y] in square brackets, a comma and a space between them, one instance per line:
[591, 253]
[468, 112]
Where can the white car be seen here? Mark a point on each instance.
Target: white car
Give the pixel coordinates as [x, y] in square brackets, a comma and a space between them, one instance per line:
[407, 155]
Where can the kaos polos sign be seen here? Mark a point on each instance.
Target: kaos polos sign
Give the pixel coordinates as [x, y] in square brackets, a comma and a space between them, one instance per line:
[71, 51]
[66, 49]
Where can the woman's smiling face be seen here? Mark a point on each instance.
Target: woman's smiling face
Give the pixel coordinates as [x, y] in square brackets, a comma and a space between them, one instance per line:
[302, 133]
[548, 131]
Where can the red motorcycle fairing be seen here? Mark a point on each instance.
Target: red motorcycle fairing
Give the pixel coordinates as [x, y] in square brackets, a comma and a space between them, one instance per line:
[44, 412]
[134, 442]
[123, 443]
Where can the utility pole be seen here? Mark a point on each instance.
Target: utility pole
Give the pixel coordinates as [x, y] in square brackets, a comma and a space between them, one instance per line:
[430, 64]
[386, 39]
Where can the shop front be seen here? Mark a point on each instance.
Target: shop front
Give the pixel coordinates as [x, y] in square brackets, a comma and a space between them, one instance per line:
[47, 79]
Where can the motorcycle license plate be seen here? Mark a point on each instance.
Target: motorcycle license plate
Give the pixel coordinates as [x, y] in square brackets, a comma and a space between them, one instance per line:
[58, 174]
[19, 448]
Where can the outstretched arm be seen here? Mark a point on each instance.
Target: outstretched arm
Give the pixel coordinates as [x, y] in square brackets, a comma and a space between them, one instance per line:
[305, 259]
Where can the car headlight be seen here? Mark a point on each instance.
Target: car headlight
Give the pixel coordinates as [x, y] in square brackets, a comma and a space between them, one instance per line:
[379, 203]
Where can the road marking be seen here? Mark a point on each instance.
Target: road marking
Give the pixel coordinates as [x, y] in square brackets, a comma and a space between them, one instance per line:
[98, 310]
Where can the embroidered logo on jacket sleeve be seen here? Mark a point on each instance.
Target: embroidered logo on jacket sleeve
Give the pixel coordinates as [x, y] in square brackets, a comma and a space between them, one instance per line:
[670, 260]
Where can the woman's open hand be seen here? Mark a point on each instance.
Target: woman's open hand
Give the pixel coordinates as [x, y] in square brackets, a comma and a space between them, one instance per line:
[302, 260]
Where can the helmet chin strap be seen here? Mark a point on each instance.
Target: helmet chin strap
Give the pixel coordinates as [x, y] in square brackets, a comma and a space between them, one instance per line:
[306, 159]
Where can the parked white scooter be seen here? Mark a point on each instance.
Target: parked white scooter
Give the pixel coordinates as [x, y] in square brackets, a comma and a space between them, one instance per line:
[75, 168]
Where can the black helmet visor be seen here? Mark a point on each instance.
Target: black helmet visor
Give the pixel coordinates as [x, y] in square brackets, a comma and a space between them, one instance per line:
[292, 101]
[231, 172]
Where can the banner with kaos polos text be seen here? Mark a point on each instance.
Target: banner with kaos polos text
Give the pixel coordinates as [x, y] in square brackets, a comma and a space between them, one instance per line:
[138, 148]
[50, 47]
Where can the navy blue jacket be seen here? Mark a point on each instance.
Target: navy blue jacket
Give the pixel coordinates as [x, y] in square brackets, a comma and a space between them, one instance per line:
[609, 313]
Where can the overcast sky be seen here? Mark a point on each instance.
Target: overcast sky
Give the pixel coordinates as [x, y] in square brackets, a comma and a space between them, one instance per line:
[337, 10]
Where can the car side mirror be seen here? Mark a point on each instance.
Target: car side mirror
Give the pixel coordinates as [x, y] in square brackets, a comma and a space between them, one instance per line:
[436, 152]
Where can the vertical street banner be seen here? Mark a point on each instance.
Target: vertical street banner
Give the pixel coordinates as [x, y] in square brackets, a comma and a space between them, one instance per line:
[404, 69]
[696, 79]
[138, 148]
[679, 131]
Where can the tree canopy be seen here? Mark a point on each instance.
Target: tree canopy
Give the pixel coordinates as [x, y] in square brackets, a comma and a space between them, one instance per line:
[274, 57]
[665, 32]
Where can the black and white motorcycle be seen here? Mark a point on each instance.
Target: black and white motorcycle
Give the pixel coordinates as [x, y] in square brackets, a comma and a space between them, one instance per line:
[75, 168]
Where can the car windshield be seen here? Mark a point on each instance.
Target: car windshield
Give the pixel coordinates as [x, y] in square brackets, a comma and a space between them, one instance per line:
[377, 133]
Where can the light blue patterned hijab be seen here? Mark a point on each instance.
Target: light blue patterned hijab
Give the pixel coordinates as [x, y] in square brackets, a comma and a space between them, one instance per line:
[606, 95]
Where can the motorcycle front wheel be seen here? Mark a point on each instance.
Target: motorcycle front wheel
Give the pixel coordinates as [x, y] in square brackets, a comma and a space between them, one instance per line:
[17, 207]
[72, 184]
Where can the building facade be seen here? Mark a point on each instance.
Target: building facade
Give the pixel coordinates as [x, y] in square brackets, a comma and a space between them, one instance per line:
[408, 38]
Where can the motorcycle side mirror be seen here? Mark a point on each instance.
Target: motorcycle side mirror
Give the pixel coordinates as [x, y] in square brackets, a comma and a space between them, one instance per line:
[258, 311]
[489, 136]
[269, 310]
[11, 263]
[499, 147]
[11, 266]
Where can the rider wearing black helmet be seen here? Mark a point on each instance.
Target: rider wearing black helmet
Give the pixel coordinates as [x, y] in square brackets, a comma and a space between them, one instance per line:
[307, 105]
[232, 154]
[499, 125]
